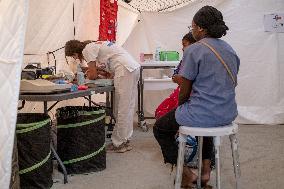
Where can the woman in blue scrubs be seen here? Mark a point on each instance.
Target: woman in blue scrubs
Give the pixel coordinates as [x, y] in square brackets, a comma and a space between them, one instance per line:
[207, 91]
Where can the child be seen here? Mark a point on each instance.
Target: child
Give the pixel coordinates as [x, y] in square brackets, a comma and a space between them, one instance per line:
[172, 101]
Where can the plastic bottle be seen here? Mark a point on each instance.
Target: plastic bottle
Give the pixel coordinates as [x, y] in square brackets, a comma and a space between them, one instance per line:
[80, 78]
[157, 54]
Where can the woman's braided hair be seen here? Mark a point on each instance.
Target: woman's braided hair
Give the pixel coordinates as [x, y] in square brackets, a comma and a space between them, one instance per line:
[211, 19]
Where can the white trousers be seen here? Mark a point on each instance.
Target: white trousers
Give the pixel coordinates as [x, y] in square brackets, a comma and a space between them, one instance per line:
[125, 95]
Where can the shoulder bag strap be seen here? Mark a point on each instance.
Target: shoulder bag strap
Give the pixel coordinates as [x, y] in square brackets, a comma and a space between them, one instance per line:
[221, 60]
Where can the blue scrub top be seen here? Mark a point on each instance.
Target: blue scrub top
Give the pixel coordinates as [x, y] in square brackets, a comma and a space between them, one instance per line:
[212, 101]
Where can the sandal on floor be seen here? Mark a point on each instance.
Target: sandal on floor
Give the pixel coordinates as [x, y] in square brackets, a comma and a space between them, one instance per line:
[116, 149]
[208, 187]
[188, 187]
[127, 145]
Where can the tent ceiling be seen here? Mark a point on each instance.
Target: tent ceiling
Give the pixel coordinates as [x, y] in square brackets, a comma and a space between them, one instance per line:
[158, 5]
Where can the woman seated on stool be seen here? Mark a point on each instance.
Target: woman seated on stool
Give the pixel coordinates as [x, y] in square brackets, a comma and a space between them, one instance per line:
[212, 100]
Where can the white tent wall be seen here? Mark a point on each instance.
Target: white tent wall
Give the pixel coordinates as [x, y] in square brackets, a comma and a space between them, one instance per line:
[13, 19]
[260, 88]
[51, 24]
[126, 20]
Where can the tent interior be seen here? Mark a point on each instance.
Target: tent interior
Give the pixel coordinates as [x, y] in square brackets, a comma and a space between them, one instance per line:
[35, 28]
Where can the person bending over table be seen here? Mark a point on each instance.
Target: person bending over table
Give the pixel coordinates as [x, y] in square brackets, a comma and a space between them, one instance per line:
[106, 60]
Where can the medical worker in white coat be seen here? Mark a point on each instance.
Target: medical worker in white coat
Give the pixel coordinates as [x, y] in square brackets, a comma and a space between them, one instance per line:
[107, 59]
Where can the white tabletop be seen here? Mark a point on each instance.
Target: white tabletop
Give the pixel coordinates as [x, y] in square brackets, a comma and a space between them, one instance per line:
[159, 63]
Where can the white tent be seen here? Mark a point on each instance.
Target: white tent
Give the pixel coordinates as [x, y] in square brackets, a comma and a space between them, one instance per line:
[50, 25]
[13, 17]
[260, 82]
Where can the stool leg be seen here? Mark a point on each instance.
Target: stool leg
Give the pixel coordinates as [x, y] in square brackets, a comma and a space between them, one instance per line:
[200, 145]
[217, 142]
[235, 155]
[180, 160]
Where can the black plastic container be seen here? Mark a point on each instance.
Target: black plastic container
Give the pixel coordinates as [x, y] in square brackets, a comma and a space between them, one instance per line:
[33, 140]
[81, 139]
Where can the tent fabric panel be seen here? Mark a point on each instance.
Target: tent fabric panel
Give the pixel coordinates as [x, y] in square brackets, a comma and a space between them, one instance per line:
[13, 19]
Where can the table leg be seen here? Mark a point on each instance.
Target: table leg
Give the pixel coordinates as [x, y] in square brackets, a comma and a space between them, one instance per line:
[141, 118]
[90, 100]
[110, 113]
[52, 106]
[138, 106]
[60, 163]
[45, 107]
[139, 86]
[142, 100]
[107, 100]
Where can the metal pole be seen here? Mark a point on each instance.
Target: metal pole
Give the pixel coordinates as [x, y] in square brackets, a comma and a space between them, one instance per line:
[60, 163]
[45, 107]
[200, 145]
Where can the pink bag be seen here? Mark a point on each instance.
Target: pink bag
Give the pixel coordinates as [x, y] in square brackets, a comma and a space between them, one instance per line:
[168, 104]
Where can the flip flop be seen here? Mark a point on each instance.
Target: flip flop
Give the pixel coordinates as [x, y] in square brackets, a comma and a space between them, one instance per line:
[202, 184]
[186, 186]
[208, 187]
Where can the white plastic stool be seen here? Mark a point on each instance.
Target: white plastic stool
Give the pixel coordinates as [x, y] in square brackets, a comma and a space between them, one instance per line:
[216, 133]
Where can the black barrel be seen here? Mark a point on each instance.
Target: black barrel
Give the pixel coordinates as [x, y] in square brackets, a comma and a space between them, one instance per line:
[15, 178]
[81, 138]
[33, 135]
